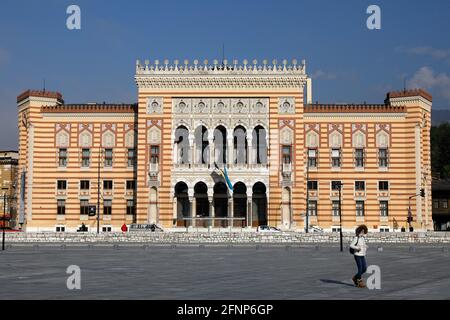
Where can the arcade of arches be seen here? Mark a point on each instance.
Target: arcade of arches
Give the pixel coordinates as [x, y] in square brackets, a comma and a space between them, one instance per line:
[246, 206]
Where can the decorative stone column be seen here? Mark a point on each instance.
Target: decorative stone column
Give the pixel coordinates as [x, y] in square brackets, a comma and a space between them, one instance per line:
[230, 209]
[249, 210]
[230, 150]
[191, 157]
[211, 210]
[175, 153]
[211, 152]
[193, 211]
[250, 151]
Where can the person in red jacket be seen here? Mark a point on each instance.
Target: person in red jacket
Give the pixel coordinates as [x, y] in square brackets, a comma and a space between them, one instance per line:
[124, 228]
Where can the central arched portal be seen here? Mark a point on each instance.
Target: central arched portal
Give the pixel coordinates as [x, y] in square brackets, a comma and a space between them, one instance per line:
[259, 211]
[240, 204]
[220, 203]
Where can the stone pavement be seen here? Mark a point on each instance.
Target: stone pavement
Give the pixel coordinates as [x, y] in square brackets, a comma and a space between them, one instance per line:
[220, 272]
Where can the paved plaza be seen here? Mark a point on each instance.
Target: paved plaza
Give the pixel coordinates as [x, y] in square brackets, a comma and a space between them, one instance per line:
[220, 272]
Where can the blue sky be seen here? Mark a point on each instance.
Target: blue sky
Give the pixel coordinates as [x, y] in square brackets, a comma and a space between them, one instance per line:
[348, 62]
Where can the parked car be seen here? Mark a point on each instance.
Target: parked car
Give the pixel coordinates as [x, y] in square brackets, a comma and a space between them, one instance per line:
[267, 229]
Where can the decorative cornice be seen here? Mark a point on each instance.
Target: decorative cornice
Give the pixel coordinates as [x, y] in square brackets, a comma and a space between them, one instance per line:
[90, 108]
[232, 76]
[353, 108]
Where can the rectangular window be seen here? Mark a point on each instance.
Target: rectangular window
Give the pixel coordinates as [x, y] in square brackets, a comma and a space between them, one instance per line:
[383, 185]
[84, 207]
[131, 158]
[106, 229]
[444, 204]
[335, 208]
[60, 229]
[360, 208]
[107, 207]
[62, 184]
[335, 185]
[154, 154]
[131, 184]
[84, 184]
[131, 208]
[312, 185]
[107, 184]
[286, 152]
[336, 158]
[61, 207]
[335, 229]
[108, 157]
[435, 204]
[85, 157]
[359, 158]
[312, 208]
[62, 161]
[312, 158]
[384, 209]
[360, 186]
[382, 158]
[384, 229]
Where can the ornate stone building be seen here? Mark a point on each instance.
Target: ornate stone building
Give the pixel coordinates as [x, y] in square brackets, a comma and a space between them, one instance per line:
[159, 161]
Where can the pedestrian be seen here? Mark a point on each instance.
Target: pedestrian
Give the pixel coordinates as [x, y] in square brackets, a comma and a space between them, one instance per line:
[358, 248]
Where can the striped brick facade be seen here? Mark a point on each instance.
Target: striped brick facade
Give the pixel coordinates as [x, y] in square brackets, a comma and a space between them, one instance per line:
[175, 178]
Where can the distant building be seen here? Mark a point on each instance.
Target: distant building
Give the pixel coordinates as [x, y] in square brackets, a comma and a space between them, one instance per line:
[285, 155]
[441, 205]
[8, 181]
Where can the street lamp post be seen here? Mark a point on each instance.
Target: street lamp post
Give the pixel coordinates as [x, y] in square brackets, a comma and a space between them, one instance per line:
[340, 217]
[4, 218]
[98, 189]
[307, 192]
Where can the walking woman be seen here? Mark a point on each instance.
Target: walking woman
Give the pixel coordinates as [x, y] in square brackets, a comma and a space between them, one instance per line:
[358, 248]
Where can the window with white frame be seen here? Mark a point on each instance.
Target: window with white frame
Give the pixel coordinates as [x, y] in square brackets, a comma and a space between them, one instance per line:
[384, 208]
[106, 228]
[335, 208]
[60, 229]
[312, 208]
[360, 185]
[383, 185]
[85, 157]
[359, 208]
[107, 207]
[108, 157]
[383, 157]
[359, 158]
[312, 158]
[61, 205]
[336, 158]
[62, 157]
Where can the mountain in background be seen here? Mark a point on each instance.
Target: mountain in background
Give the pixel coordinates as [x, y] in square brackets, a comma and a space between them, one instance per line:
[439, 116]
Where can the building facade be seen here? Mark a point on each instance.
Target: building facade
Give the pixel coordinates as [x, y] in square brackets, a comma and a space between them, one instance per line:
[8, 181]
[162, 160]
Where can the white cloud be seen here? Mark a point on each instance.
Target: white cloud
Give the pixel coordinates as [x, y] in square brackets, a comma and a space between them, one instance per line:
[319, 74]
[426, 78]
[435, 53]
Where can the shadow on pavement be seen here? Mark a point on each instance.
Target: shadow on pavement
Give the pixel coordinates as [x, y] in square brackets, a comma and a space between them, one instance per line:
[337, 282]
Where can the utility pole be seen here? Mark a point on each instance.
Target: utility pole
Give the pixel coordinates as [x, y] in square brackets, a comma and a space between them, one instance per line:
[340, 217]
[98, 189]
